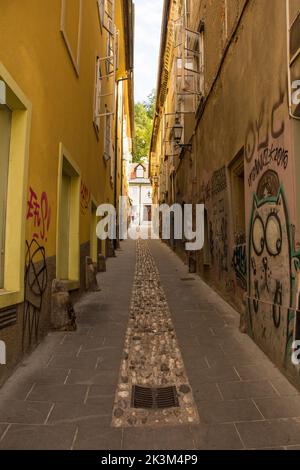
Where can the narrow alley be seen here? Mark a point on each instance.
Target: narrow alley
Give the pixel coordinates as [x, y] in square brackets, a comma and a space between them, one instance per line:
[75, 390]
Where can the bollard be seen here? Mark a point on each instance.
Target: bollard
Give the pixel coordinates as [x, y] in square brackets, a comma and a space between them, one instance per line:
[91, 283]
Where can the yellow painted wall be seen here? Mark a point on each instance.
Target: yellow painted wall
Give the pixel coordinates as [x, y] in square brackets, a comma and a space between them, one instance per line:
[34, 52]
[49, 49]
[49, 62]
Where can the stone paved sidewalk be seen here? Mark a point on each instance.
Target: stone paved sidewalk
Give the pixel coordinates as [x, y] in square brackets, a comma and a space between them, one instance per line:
[62, 396]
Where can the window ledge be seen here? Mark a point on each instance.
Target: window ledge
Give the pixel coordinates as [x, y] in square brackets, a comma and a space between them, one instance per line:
[9, 298]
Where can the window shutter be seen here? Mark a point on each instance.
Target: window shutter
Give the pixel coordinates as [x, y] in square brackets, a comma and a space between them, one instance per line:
[101, 11]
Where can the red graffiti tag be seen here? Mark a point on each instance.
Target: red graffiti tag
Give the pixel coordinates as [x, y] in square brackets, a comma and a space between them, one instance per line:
[39, 210]
[85, 198]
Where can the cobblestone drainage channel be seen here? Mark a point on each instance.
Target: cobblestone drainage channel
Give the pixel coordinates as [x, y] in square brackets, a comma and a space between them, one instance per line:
[153, 386]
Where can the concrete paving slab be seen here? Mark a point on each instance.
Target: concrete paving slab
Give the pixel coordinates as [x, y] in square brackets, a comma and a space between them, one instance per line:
[14, 411]
[58, 393]
[217, 437]
[20, 437]
[93, 435]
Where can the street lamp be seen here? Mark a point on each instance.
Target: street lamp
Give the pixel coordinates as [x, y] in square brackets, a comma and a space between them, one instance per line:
[177, 134]
[177, 131]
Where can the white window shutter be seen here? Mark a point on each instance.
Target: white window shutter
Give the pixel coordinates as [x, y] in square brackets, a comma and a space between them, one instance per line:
[101, 9]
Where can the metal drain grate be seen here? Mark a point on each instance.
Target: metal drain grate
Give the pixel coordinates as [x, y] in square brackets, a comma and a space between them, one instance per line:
[186, 279]
[154, 398]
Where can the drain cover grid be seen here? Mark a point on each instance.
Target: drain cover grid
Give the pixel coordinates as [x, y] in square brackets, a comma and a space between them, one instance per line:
[154, 398]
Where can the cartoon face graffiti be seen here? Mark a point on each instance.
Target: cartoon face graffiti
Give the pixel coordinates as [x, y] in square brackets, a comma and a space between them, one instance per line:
[269, 268]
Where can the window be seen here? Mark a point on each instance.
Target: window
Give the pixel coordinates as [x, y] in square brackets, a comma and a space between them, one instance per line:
[101, 10]
[110, 54]
[189, 67]
[238, 195]
[68, 221]
[15, 119]
[106, 10]
[140, 172]
[97, 99]
[108, 14]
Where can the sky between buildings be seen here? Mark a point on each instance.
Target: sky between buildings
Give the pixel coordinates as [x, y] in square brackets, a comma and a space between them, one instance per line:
[148, 19]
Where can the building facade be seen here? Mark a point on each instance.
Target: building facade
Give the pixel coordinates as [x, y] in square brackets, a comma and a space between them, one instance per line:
[140, 193]
[227, 134]
[66, 122]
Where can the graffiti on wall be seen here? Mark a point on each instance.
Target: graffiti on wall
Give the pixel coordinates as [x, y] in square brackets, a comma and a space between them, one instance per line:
[85, 198]
[239, 263]
[36, 278]
[214, 186]
[219, 181]
[218, 224]
[205, 191]
[271, 260]
[261, 130]
[39, 212]
[261, 149]
[271, 155]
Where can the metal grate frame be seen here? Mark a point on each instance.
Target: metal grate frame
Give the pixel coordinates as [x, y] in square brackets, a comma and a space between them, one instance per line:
[154, 398]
